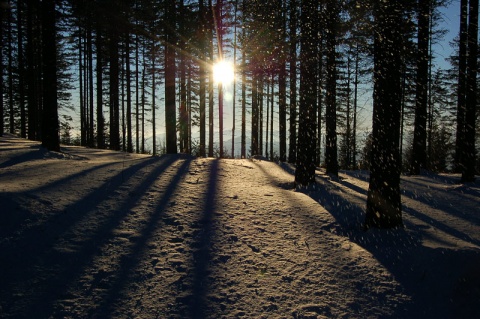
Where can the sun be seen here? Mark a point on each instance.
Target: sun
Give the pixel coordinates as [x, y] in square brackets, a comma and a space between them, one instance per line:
[223, 72]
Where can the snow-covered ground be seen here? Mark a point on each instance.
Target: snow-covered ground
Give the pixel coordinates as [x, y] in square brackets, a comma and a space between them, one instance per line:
[99, 234]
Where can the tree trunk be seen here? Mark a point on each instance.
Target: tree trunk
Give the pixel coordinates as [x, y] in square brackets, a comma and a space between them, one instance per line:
[461, 93]
[202, 74]
[468, 159]
[292, 151]
[99, 75]
[305, 165]
[114, 91]
[21, 71]
[50, 136]
[170, 108]
[383, 198]
[331, 159]
[2, 113]
[419, 152]
[129, 93]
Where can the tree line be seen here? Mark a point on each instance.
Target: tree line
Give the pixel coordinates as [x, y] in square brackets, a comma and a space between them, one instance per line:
[302, 68]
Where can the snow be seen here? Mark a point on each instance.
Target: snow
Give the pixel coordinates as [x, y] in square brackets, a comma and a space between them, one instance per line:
[100, 234]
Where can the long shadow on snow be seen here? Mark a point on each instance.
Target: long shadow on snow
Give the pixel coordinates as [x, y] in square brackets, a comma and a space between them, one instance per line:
[202, 256]
[34, 258]
[129, 262]
[442, 283]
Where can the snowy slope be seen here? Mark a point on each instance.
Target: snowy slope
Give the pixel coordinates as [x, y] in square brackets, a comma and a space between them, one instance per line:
[99, 234]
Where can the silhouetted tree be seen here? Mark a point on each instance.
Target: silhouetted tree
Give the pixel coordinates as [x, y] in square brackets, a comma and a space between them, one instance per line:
[50, 128]
[384, 199]
[305, 166]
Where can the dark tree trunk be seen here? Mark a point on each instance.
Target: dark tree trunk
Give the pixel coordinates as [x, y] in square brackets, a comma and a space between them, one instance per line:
[114, 90]
[462, 89]
[154, 106]
[10, 69]
[99, 75]
[50, 136]
[383, 199]
[209, 29]
[21, 71]
[468, 159]
[331, 159]
[202, 74]
[255, 116]
[243, 151]
[33, 69]
[183, 125]
[129, 93]
[419, 151]
[170, 108]
[305, 165]
[91, 123]
[282, 89]
[2, 113]
[292, 151]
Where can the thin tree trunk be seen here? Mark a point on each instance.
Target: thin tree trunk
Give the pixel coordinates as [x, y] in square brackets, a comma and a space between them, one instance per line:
[50, 136]
[137, 97]
[209, 29]
[2, 114]
[129, 93]
[170, 108]
[462, 74]
[21, 72]
[99, 75]
[292, 155]
[10, 69]
[32, 67]
[91, 125]
[203, 75]
[154, 106]
[468, 167]
[243, 148]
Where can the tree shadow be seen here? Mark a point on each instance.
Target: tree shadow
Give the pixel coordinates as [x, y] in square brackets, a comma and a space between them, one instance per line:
[33, 258]
[440, 282]
[202, 256]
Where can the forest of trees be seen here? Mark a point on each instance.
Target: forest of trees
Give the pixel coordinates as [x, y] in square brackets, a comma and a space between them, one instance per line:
[111, 74]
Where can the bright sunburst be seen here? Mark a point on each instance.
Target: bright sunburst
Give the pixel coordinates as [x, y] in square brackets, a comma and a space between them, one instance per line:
[223, 72]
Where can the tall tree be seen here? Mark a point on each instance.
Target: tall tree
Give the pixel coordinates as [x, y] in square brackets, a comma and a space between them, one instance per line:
[331, 159]
[419, 152]
[170, 108]
[282, 82]
[202, 75]
[113, 18]
[3, 5]
[461, 88]
[50, 136]
[99, 76]
[468, 158]
[292, 151]
[305, 165]
[383, 198]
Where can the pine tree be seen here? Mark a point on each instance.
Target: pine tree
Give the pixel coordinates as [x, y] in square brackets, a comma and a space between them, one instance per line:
[305, 165]
[384, 199]
[50, 126]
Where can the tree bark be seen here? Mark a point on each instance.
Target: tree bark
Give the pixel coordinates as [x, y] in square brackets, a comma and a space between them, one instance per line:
[419, 152]
[331, 159]
[383, 198]
[50, 129]
[468, 159]
[170, 107]
[305, 165]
